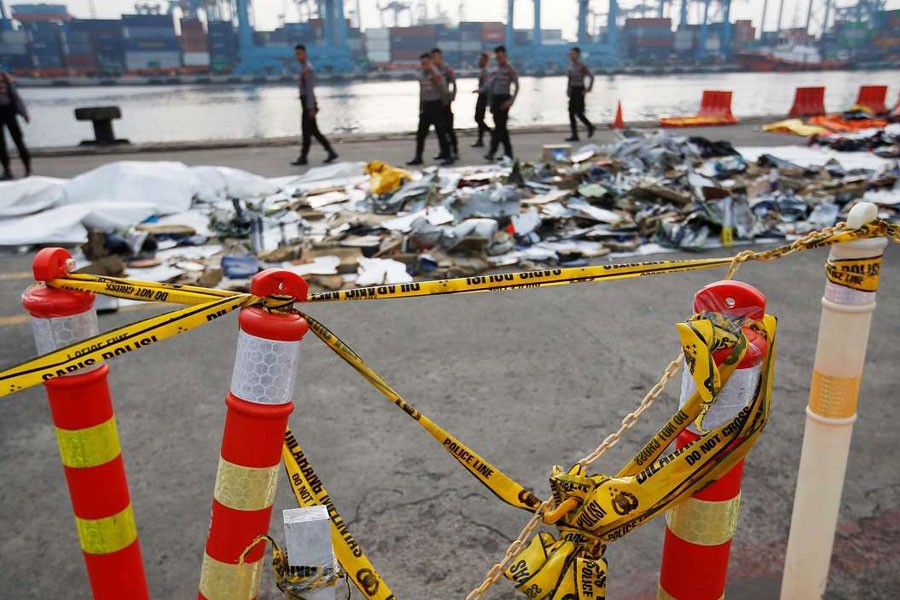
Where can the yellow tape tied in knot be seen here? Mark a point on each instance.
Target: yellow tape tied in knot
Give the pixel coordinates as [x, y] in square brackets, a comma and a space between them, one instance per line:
[603, 508]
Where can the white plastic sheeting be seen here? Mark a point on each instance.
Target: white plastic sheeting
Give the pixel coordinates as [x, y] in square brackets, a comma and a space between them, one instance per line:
[43, 210]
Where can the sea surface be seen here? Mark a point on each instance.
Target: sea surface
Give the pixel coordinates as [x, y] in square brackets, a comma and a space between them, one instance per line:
[209, 112]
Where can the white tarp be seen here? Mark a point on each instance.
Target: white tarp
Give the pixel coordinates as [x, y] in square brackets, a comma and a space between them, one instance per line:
[69, 224]
[30, 195]
[226, 182]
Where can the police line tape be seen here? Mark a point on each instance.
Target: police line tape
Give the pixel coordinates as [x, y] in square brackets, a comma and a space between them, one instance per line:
[207, 304]
[211, 303]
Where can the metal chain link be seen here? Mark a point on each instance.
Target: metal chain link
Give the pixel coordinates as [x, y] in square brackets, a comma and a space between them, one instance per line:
[496, 572]
[806, 242]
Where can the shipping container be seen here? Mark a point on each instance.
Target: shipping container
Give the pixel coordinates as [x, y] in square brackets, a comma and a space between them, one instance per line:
[381, 58]
[135, 61]
[14, 62]
[195, 59]
[380, 33]
[152, 45]
[648, 22]
[713, 43]
[493, 36]
[684, 40]
[405, 56]
[81, 61]
[471, 46]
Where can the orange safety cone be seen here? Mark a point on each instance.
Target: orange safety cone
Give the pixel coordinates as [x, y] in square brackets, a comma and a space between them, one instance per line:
[619, 122]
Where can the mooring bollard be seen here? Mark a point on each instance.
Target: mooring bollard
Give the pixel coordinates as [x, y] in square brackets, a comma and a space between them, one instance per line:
[87, 435]
[699, 530]
[258, 407]
[847, 306]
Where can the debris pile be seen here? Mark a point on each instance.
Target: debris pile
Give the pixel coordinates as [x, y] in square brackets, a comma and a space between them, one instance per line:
[356, 224]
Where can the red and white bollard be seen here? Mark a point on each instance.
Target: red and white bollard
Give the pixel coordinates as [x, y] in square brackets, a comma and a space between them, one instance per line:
[699, 530]
[258, 406]
[88, 438]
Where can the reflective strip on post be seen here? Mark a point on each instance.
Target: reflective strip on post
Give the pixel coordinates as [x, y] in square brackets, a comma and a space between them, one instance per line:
[226, 581]
[704, 522]
[264, 370]
[245, 488]
[89, 447]
[108, 534]
[852, 276]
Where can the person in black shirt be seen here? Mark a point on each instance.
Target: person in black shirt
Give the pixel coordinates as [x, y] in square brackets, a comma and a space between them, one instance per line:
[578, 72]
[11, 107]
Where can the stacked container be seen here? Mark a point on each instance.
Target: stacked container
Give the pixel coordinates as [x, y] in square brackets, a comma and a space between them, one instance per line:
[222, 46]
[194, 48]
[470, 44]
[378, 46]
[150, 42]
[45, 44]
[14, 50]
[493, 33]
[649, 37]
[408, 43]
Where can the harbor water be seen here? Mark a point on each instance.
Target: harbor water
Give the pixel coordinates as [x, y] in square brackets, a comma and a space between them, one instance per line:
[217, 112]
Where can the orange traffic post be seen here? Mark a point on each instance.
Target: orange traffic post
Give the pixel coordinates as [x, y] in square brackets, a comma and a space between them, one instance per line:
[808, 102]
[873, 97]
[619, 122]
[258, 406]
[699, 530]
[87, 436]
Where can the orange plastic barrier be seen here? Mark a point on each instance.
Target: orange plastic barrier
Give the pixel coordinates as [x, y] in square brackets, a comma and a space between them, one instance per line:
[873, 97]
[839, 123]
[715, 109]
[808, 102]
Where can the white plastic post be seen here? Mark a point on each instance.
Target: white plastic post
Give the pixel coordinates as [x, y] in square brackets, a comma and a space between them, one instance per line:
[307, 535]
[833, 395]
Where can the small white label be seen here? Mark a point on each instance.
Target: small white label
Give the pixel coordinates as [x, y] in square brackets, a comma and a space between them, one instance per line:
[264, 370]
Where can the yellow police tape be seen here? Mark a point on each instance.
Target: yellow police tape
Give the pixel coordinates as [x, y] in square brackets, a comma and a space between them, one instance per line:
[215, 303]
[607, 508]
[596, 529]
[860, 274]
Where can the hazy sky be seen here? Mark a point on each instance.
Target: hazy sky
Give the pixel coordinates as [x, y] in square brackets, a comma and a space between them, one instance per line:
[557, 14]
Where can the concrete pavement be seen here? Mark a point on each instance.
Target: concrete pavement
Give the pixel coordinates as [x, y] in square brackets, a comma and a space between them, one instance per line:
[530, 379]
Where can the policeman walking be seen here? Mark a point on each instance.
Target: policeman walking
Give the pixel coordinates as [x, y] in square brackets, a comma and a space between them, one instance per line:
[309, 127]
[578, 72]
[449, 76]
[432, 92]
[500, 87]
[481, 104]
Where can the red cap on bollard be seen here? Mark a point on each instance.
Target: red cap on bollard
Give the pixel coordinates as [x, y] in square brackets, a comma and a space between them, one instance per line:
[284, 327]
[46, 303]
[735, 299]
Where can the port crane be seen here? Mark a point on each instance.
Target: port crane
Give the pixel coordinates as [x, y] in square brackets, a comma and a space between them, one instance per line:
[332, 56]
[396, 9]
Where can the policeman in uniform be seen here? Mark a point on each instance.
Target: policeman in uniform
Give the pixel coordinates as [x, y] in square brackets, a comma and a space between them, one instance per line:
[502, 95]
[481, 104]
[432, 92]
[309, 127]
[449, 76]
[578, 72]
